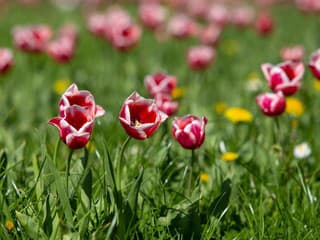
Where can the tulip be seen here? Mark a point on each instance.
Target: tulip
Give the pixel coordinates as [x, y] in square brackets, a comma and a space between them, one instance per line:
[181, 26]
[77, 115]
[152, 15]
[160, 83]
[242, 16]
[166, 104]
[189, 131]
[125, 36]
[285, 77]
[218, 14]
[31, 38]
[314, 64]
[210, 35]
[61, 50]
[200, 57]
[6, 60]
[82, 98]
[271, 104]
[140, 117]
[294, 53]
[264, 24]
[97, 24]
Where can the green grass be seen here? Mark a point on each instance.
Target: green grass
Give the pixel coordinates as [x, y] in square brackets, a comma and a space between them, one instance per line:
[265, 194]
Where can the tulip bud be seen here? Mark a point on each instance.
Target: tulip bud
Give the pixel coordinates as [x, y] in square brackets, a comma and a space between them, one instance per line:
[271, 104]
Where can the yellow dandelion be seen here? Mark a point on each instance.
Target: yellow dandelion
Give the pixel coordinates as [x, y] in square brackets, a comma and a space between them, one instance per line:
[237, 115]
[9, 225]
[61, 85]
[178, 92]
[229, 156]
[294, 106]
[204, 177]
[220, 107]
[316, 85]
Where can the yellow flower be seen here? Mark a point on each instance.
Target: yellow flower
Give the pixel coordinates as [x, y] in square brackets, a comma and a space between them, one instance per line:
[204, 177]
[253, 75]
[61, 85]
[237, 115]
[9, 225]
[229, 156]
[294, 106]
[178, 92]
[220, 107]
[316, 85]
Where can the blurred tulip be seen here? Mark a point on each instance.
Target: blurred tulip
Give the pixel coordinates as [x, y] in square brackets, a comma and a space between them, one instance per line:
[210, 35]
[160, 83]
[97, 24]
[6, 59]
[271, 104]
[218, 14]
[189, 131]
[242, 16]
[32, 38]
[264, 24]
[314, 64]
[294, 53]
[285, 77]
[61, 50]
[200, 57]
[182, 26]
[140, 117]
[152, 15]
[166, 104]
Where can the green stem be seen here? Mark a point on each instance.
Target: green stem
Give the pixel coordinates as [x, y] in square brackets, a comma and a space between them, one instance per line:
[190, 180]
[120, 161]
[68, 168]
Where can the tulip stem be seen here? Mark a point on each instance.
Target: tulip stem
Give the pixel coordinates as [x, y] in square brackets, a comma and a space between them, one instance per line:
[68, 168]
[190, 180]
[120, 160]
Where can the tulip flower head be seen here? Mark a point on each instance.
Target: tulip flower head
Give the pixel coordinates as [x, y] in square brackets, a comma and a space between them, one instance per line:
[314, 64]
[264, 24]
[189, 131]
[271, 104]
[6, 60]
[285, 77]
[294, 53]
[152, 15]
[166, 104]
[76, 119]
[140, 117]
[160, 83]
[200, 57]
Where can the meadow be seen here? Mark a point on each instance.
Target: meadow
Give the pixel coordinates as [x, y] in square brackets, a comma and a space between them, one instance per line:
[244, 182]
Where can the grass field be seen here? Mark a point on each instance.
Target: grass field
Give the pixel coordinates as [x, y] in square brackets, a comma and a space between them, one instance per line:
[265, 193]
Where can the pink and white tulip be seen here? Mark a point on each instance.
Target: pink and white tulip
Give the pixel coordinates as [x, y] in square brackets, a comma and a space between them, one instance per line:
[285, 77]
[140, 117]
[160, 83]
[210, 35]
[152, 15]
[314, 64]
[200, 57]
[264, 24]
[166, 104]
[182, 26]
[271, 104]
[6, 59]
[189, 131]
[294, 53]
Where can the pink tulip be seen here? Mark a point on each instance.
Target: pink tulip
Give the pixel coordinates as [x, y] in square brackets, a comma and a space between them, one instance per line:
[166, 104]
[152, 15]
[264, 24]
[285, 77]
[294, 53]
[140, 117]
[61, 50]
[6, 59]
[210, 35]
[271, 104]
[182, 26]
[189, 131]
[218, 14]
[200, 57]
[242, 16]
[160, 83]
[314, 63]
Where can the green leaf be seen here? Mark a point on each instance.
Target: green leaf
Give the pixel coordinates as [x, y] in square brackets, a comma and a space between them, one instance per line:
[218, 206]
[3, 164]
[133, 194]
[47, 219]
[31, 226]
[87, 182]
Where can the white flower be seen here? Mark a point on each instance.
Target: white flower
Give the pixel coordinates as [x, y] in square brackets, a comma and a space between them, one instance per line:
[302, 150]
[254, 84]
